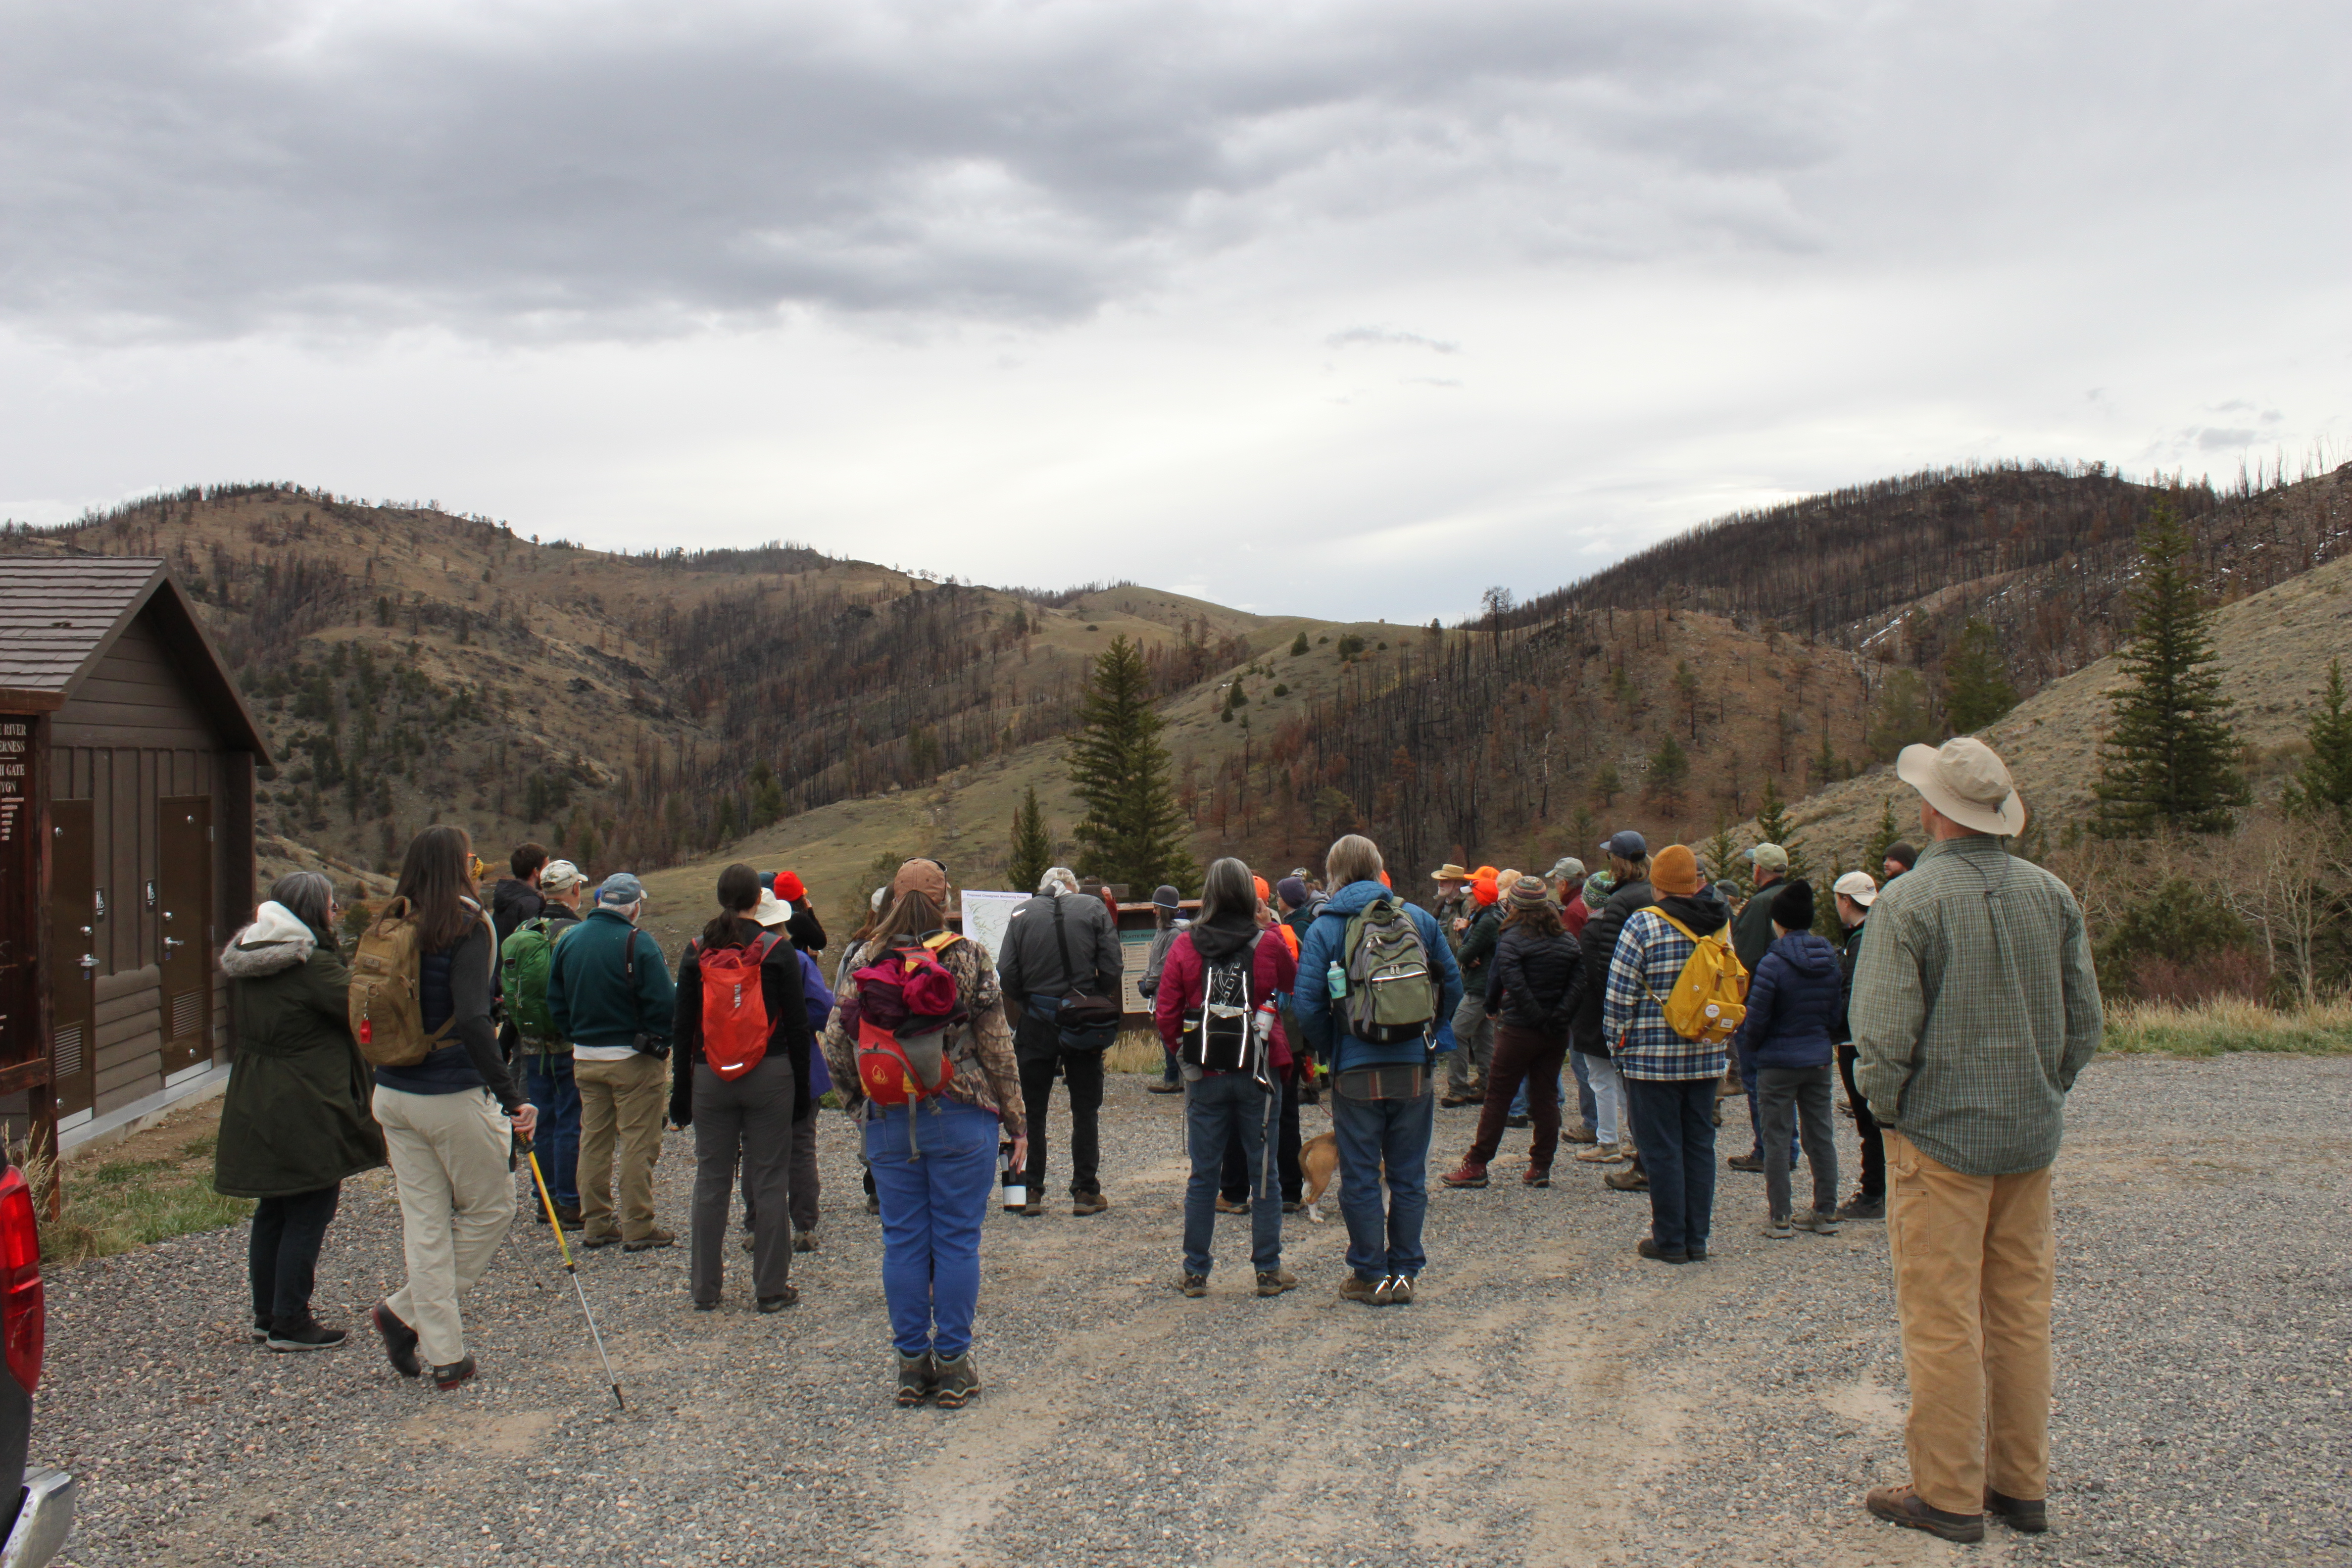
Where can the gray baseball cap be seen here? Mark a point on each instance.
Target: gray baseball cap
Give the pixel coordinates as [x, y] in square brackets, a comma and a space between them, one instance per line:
[621, 888]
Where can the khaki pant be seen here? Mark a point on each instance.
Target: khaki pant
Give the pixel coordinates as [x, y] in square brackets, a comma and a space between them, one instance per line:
[448, 1156]
[1973, 1258]
[619, 1102]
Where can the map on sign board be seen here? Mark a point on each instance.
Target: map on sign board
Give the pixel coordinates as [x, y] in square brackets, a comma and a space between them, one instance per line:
[985, 916]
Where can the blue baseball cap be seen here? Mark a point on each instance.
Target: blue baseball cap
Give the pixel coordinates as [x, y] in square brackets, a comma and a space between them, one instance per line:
[1626, 846]
[621, 888]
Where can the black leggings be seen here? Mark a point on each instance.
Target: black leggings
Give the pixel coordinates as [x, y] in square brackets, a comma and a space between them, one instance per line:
[283, 1258]
[1874, 1145]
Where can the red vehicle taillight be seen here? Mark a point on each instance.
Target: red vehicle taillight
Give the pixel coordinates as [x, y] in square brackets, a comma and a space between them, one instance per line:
[24, 1311]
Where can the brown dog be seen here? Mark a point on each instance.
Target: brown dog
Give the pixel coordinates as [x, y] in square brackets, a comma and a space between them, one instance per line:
[1318, 1163]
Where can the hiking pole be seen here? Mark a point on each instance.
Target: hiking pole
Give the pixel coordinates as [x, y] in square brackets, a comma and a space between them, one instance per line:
[555, 1224]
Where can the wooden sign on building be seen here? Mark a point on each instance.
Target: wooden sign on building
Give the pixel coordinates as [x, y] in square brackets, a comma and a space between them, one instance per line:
[127, 765]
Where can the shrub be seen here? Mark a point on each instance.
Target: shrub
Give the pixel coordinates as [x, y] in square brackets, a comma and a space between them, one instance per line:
[2174, 932]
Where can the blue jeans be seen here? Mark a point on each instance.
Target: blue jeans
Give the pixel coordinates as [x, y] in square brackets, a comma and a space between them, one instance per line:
[932, 1205]
[551, 1089]
[1586, 1106]
[1369, 1132]
[1560, 1094]
[1674, 1127]
[1218, 1108]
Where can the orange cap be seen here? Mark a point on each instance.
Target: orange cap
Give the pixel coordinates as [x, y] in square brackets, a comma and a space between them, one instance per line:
[1263, 892]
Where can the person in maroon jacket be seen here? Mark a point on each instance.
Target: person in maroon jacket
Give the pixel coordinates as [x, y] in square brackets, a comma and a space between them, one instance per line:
[1247, 1101]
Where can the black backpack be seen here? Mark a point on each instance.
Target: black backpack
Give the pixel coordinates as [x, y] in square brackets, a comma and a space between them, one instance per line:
[1219, 1037]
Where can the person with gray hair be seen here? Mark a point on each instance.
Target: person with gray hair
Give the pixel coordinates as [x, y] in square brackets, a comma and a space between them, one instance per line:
[1058, 946]
[610, 992]
[295, 1119]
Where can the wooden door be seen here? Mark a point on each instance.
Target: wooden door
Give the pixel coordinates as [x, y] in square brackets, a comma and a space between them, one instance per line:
[183, 894]
[73, 956]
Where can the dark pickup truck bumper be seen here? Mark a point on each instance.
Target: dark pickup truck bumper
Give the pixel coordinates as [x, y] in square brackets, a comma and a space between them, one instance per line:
[44, 1519]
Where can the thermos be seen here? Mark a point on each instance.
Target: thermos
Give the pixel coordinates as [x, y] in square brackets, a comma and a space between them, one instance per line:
[1016, 1189]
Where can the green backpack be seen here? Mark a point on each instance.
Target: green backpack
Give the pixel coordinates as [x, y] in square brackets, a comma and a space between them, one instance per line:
[1392, 996]
[524, 963]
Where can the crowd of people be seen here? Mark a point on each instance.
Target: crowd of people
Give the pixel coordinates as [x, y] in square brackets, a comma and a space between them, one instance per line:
[1956, 1011]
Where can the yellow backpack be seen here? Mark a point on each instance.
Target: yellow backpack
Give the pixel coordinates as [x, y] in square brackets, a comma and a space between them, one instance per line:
[1710, 996]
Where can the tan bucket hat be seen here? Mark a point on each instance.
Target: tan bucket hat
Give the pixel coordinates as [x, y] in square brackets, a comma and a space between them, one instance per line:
[1967, 780]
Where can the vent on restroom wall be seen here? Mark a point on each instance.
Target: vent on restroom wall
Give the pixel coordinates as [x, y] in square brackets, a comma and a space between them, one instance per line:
[69, 1050]
[187, 1014]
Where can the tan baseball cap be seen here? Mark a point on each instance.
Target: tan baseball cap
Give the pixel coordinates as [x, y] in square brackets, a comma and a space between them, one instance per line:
[1857, 886]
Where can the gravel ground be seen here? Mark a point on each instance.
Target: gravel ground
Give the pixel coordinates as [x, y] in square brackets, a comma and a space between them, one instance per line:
[1548, 1398]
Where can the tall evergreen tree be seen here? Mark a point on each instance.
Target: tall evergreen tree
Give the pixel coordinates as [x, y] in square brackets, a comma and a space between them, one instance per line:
[1134, 831]
[2323, 784]
[1883, 837]
[1977, 688]
[1772, 827]
[2170, 759]
[1033, 847]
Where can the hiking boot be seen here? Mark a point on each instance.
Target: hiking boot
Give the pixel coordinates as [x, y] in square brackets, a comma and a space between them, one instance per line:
[568, 1216]
[311, 1336]
[1629, 1180]
[1274, 1281]
[1816, 1221]
[778, 1303]
[1752, 1164]
[1777, 1226]
[1535, 1176]
[915, 1374]
[1470, 1174]
[1577, 1132]
[1396, 1290]
[1901, 1505]
[705, 1306]
[1455, 1099]
[456, 1373]
[1227, 1206]
[1648, 1247]
[1519, 1121]
[2033, 1517]
[1194, 1286]
[749, 1242]
[1695, 1254]
[1599, 1155]
[1291, 1206]
[1163, 1087]
[1863, 1205]
[873, 1203]
[1358, 1288]
[804, 1241]
[399, 1341]
[596, 1239]
[1717, 1113]
[955, 1382]
[1032, 1209]
[650, 1240]
[1083, 1204]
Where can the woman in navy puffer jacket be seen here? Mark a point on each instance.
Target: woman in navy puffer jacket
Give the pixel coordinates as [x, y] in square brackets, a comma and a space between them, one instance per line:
[1792, 1008]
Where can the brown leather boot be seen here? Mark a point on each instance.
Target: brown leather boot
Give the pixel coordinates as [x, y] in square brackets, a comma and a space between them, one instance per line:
[1902, 1505]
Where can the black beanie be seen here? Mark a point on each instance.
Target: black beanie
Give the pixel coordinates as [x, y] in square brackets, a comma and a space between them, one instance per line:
[1792, 907]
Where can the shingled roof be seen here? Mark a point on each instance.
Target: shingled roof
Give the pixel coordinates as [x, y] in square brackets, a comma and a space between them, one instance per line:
[59, 614]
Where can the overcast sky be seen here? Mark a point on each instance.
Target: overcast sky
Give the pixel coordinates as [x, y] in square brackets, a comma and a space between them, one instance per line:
[1338, 308]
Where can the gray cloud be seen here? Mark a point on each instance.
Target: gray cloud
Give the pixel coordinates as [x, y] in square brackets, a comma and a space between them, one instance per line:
[169, 168]
[1382, 337]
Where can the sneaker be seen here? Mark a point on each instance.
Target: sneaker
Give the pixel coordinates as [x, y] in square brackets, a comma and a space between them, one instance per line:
[804, 1241]
[261, 1322]
[955, 1382]
[748, 1242]
[1163, 1087]
[1455, 1099]
[915, 1374]
[2033, 1517]
[1470, 1174]
[1599, 1155]
[1355, 1288]
[1863, 1205]
[456, 1374]
[1396, 1290]
[1227, 1206]
[1578, 1133]
[778, 1303]
[311, 1336]
[1533, 1177]
[1648, 1247]
[1031, 1210]
[1629, 1180]
[1083, 1204]
[1816, 1221]
[1752, 1164]
[705, 1306]
[1274, 1281]
[1901, 1505]
[596, 1239]
[650, 1240]
[1194, 1286]
[1778, 1227]
[1696, 1254]
[399, 1341]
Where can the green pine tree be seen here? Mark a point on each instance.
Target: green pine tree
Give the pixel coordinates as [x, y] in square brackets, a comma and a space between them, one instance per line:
[1669, 771]
[1976, 682]
[2323, 784]
[2170, 759]
[1883, 837]
[1134, 831]
[1721, 851]
[1772, 827]
[1033, 847]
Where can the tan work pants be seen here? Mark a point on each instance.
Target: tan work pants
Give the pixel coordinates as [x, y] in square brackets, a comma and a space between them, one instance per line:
[619, 1102]
[448, 1156]
[1974, 1258]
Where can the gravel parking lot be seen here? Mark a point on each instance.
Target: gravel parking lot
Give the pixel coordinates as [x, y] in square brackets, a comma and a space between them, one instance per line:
[1548, 1399]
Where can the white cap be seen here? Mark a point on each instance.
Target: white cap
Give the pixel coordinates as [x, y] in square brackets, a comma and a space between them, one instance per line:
[1857, 886]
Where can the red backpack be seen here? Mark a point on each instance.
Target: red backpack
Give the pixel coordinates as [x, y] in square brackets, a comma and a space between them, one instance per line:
[907, 1004]
[734, 1008]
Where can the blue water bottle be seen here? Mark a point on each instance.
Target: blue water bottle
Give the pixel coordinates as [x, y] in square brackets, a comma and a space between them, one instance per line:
[1337, 979]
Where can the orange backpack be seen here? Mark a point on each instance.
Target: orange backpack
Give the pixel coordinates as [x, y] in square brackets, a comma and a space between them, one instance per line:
[734, 1008]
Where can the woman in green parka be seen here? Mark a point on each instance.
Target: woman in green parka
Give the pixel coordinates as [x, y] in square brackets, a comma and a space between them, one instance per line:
[295, 1120]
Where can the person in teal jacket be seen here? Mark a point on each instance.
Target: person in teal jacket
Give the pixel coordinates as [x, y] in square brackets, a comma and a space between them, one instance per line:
[611, 994]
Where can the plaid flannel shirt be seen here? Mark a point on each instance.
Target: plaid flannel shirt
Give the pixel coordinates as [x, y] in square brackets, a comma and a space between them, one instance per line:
[1974, 1006]
[1634, 1020]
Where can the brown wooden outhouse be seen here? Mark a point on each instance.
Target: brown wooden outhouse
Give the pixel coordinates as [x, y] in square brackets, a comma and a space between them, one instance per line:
[127, 763]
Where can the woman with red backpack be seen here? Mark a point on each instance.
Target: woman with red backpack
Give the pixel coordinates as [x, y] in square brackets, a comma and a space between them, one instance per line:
[918, 1047]
[739, 1077]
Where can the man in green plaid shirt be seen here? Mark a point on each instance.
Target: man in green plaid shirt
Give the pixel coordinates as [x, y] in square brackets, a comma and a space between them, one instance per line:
[1974, 1006]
